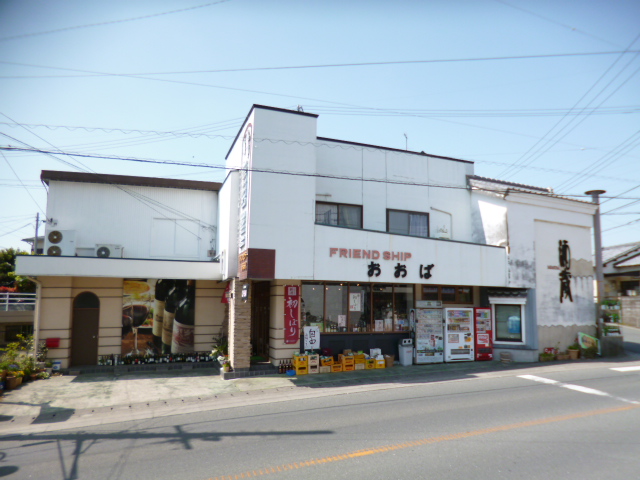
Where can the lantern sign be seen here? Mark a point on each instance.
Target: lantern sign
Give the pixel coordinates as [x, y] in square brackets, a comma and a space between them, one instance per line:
[311, 338]
[291, 314]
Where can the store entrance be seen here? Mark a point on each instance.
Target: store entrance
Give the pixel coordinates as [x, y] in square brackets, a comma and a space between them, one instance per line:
[260, 314]
[84, 329]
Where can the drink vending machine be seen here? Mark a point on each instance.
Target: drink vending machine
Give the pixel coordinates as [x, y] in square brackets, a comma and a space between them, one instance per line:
[484, 334]
[427, 329]
[458, 344]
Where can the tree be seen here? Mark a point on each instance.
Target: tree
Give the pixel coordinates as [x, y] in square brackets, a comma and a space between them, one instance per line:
[8, 277]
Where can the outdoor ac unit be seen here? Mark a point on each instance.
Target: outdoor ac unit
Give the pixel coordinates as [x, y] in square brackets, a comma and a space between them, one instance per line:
[109, 251]
[60, 243]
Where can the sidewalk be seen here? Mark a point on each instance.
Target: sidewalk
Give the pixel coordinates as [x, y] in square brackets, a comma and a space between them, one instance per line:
[96, 399]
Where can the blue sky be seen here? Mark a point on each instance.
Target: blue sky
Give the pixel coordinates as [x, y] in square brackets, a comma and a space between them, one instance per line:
[524, 89]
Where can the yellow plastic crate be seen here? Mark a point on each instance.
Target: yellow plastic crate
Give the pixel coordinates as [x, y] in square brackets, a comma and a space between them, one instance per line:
[336, 367]
[381, 363]
[370, 364]
[326, 362]
[300, 361]
[302, 370]
[348, 361]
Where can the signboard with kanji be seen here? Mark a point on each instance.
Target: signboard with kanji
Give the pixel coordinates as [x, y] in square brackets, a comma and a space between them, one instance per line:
[291, 314]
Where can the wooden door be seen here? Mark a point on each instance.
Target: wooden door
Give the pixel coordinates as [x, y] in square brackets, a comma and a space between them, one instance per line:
[84, 330]
[260, 313]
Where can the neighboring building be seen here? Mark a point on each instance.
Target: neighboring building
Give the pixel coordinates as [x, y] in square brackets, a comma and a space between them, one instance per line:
[363, 232]
[38, 249]
[621, 268]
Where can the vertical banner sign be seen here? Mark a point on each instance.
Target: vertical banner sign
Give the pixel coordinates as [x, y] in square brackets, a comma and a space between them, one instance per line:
[311, 338]
[291, 314]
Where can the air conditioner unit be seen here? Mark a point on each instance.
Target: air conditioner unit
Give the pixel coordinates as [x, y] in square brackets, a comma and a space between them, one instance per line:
[109, 251]
[60, 243]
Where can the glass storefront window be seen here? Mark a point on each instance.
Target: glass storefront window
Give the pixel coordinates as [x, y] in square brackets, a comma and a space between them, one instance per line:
[337, 305]
[313, 305]
[382, 308]
[359, 308]
[508, 323]
[403, 303]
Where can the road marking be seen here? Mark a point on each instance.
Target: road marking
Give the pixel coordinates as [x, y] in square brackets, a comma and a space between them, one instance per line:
[428, 441]
[626, 369]
[577, 388]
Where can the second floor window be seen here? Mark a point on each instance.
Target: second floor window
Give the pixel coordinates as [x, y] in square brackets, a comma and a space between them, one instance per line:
[408, 223]
[339, 214]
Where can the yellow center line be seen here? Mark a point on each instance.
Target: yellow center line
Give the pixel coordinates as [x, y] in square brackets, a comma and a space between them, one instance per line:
[427, 441]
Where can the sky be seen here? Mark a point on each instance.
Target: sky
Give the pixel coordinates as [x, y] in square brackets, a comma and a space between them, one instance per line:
[544, 93]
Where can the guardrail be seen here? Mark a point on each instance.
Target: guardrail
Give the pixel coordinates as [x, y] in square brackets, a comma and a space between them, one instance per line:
[17, 301]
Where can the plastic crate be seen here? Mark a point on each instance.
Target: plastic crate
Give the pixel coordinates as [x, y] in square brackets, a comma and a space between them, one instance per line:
[360, 366]
[325, 369]
[313, 359]
[370, 364]
[300, 361]
[381, 363]
[336, 367]
[326, 361]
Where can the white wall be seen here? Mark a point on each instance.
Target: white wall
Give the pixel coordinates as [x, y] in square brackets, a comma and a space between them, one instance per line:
[149, 222]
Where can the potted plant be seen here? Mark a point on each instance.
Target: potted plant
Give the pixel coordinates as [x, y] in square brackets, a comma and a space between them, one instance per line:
[224, 363]
[590, 352]
[574, 351]
[547, 356]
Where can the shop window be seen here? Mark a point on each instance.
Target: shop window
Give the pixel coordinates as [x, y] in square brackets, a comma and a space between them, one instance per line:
[336, 305]
[356, 308]
[408, 223]
[11, 332]
[509, 323]
[446, 294]
[339, 214]
[312, 302]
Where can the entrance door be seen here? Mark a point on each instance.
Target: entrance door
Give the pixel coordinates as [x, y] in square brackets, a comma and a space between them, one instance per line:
[84, 330]
[260, 313]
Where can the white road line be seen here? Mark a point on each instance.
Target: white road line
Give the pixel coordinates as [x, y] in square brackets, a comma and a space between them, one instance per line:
[626, 369]
[576, 388]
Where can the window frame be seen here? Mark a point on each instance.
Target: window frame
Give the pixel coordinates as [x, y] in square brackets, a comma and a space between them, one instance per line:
[338, 205]
[518, 301]
[458, 295]
[410, 212]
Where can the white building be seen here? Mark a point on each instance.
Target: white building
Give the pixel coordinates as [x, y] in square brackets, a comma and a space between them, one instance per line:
[337, 219]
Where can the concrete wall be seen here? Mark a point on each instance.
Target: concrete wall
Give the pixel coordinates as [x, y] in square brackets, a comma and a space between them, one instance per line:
[630, 308]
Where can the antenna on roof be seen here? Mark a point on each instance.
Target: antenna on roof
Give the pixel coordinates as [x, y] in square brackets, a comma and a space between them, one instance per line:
[406, 142]
[300, 108]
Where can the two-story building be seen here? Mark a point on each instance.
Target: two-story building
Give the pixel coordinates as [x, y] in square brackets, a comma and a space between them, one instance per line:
[308, 230]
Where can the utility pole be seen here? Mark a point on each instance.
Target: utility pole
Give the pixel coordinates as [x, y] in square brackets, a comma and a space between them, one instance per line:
[34, 249]
[597, 240]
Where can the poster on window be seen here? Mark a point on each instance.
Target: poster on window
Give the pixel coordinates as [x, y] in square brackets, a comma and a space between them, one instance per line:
[158, 317]
[355, 302]
[291, 314]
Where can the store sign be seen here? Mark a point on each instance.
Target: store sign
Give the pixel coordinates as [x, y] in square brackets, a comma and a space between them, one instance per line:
[374, 269]
[311, 338]
[291, 314]
[369, 254]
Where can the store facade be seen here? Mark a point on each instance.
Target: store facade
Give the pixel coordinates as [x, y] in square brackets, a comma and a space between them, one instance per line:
[308, 231]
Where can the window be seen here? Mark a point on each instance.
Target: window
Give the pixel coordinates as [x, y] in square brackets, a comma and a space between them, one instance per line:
[339, 214]
[408, 223]
[356, 307]
[508, 323]
[445, 294]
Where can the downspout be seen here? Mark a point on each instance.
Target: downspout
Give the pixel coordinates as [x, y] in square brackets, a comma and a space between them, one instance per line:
[36, 318]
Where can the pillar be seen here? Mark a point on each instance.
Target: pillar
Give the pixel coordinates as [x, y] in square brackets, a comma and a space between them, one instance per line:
[239, 328]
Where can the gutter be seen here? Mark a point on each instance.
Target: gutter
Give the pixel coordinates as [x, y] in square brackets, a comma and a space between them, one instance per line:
[36, 318]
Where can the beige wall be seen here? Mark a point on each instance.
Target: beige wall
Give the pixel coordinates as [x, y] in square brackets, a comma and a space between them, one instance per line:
[560, 336]
[278, 350]
[57, 312]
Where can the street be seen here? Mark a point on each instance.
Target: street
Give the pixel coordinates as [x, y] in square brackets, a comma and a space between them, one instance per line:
[573, 421]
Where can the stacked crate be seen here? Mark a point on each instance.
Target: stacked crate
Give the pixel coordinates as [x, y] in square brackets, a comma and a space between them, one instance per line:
[301, 364]
[313, 363]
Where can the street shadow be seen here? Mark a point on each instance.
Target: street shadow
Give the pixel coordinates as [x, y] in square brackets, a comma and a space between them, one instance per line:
[84, 441]
[6, 470]
[147, 374]
[47, 414]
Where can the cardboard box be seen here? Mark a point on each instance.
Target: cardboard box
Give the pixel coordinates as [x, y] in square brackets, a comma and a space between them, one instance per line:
[389, 359]
[336, 367]
[325, 369]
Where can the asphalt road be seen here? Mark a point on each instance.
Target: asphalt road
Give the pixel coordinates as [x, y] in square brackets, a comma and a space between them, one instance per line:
[570, 423]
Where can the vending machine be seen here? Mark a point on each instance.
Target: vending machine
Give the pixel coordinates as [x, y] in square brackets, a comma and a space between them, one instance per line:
[483, 334]
[458, 335]
[428, 333]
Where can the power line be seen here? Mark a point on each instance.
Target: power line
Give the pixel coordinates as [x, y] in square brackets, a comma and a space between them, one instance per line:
[281, 172]
[111, 22]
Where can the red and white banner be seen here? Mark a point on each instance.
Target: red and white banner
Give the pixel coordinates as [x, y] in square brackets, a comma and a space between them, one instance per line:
[291, 314]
